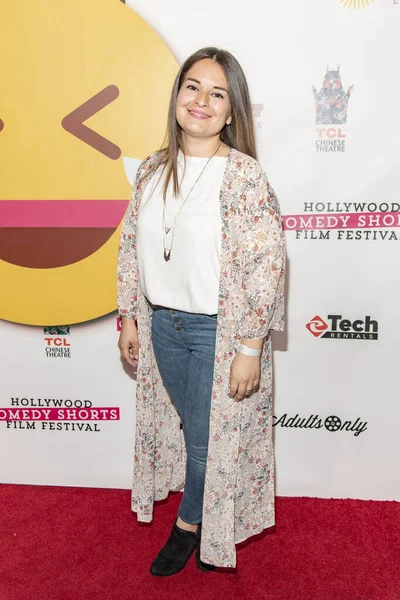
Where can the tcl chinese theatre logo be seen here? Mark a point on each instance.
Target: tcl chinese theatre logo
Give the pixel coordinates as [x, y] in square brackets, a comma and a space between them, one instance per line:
[331, 102]
[57, 344]
[336, 327]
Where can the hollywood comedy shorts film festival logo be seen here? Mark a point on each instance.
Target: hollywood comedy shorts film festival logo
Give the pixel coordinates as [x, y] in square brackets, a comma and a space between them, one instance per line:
[331, 102]
[346, 221]
[336, 327]
[56, 414]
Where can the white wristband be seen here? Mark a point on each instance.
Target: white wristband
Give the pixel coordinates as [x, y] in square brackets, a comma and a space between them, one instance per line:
[249, 351]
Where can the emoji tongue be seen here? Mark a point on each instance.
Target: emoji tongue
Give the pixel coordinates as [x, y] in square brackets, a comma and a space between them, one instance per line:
[44, 234]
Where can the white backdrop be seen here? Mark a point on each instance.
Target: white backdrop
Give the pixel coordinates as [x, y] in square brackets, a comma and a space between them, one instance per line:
[341, 389]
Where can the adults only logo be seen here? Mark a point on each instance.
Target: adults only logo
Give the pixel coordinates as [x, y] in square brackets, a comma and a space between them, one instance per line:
[331, 109]
[345, 329]
[331, 423]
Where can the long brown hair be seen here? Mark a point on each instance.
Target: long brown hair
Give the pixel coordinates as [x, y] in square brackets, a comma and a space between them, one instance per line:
[239, 134]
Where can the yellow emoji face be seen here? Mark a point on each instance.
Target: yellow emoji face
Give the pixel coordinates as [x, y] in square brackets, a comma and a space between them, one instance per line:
[87, 83]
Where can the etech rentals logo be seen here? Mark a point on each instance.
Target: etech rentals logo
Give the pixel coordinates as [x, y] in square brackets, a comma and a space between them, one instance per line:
[355, 221]
[56, 414]
[331, 110]
[331, 423]
[343, 329]
[57, 342]
[356, 3]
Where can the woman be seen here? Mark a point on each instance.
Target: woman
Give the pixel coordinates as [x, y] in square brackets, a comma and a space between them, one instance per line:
[201, 267]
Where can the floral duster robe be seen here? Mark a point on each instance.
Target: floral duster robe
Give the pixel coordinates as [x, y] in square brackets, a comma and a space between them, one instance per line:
[239, 486]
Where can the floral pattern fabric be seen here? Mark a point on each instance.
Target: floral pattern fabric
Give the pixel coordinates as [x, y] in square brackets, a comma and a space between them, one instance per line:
[239, 485]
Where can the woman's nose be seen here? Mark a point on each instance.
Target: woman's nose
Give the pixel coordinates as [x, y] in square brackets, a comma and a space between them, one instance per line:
[201, 99]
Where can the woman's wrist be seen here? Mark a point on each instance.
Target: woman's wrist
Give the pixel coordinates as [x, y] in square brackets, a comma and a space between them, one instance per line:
[128, 322]
[256, 344]
[251, 347]
[249, 351]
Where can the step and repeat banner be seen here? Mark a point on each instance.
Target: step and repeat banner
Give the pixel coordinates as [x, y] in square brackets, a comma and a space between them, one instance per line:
[84, 97]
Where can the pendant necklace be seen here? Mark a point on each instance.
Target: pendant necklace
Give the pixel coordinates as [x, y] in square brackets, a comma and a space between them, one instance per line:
[166, 230]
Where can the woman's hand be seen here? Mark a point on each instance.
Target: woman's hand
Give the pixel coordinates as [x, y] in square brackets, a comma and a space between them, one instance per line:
[245, 376]
[128, 342]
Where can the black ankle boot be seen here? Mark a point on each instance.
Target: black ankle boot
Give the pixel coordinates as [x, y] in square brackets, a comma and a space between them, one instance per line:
[202, 565]
[174, 555]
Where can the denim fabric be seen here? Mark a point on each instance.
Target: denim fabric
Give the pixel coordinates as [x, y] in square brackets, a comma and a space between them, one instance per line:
[184, 347]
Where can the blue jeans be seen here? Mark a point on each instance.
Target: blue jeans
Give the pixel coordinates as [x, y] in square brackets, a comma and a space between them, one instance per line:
[184, 347]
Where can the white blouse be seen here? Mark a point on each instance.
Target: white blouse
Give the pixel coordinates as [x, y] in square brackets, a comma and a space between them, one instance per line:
[189, 281]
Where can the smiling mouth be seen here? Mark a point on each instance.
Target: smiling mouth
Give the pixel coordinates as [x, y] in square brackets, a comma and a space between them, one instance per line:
[198, 115]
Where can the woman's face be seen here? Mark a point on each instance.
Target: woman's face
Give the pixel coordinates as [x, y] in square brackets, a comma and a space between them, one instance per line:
[203, 106]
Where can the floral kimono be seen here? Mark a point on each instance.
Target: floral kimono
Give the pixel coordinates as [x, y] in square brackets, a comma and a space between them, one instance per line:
[239, 484]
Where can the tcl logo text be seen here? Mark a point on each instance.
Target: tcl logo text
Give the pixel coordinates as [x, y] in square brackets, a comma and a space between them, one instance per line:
[50, 341]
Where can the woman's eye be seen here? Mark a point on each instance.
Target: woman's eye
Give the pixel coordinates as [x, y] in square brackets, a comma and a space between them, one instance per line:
[192, 87]
[218, 95]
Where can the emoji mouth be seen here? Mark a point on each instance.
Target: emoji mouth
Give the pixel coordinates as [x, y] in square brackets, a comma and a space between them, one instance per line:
[44, 234]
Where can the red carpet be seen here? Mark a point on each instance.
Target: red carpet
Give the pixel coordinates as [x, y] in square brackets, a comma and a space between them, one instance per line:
[84, 544]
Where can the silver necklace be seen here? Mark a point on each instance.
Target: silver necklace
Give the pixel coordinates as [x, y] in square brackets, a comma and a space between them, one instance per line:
[166, 230]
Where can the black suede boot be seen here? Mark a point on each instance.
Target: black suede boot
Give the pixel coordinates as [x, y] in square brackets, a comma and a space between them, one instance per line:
[174, 555]
[202, 565]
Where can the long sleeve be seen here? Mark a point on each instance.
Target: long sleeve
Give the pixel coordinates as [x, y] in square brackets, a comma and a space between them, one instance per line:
[264, 251]
[127, 276]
